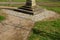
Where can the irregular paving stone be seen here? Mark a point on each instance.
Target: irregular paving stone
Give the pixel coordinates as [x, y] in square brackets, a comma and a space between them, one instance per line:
[14, 28]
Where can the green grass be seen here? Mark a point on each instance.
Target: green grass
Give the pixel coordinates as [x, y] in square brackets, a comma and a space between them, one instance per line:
[25, 0]
[46, 30]
[13, 0]
[13, 5]
[3, 0]
[43, 0]
[16, 0]
[56, 9]
[2, 18]
[19, 0]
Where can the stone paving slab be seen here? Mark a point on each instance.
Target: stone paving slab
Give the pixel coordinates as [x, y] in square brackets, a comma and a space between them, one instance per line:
[38, 17]
[14, 28]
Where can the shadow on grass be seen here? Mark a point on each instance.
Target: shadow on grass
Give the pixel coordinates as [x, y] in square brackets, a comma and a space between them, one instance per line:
[52, 36]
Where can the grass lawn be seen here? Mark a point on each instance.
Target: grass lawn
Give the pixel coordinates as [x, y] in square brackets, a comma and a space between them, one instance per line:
[25, 0]
[56, 9]
[43, 0]
[18, 0]
[13, 0]
[3, 0]
[46, 30]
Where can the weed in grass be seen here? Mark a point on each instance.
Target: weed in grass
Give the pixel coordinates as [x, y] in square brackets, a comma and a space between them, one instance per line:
[1, 18]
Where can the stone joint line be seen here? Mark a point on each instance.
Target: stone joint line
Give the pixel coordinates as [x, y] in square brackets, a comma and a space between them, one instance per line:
[21, 27]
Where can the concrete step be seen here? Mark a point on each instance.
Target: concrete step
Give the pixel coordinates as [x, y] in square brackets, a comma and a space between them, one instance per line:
[26, 8]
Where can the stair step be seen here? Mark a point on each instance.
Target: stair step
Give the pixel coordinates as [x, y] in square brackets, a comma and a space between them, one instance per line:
[22, 10]
[26, 8]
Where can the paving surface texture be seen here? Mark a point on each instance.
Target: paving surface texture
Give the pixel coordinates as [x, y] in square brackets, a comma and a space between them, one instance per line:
[38, 17]
[18, 26]
[14, 28]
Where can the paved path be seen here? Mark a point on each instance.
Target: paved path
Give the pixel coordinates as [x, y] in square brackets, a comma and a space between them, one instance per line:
[12, 2]
[18, 26]
[15, 28]
[38, 17]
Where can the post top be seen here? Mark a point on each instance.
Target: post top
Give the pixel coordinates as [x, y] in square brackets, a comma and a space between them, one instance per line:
[30, 2]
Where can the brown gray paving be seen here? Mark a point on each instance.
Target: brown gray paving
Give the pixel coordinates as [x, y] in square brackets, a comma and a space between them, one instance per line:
[14, 28]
